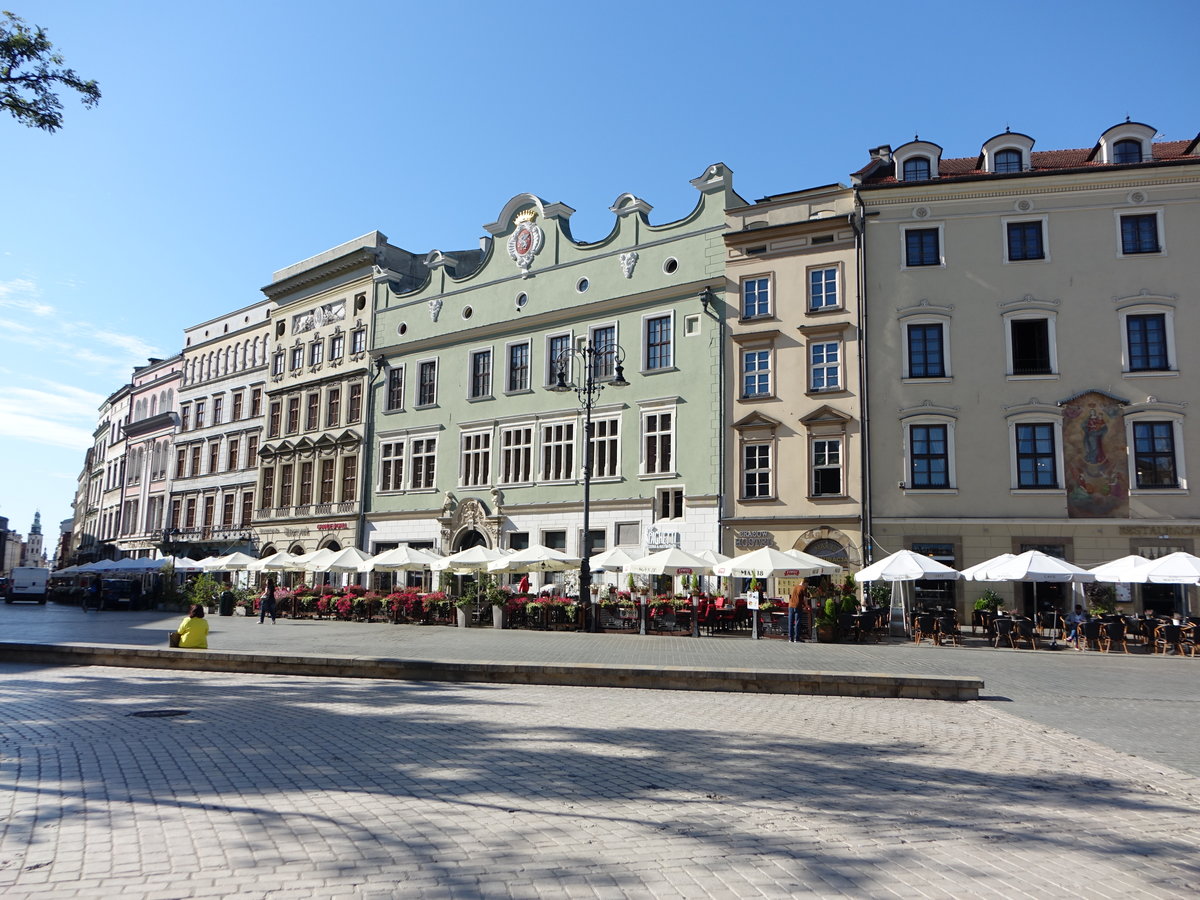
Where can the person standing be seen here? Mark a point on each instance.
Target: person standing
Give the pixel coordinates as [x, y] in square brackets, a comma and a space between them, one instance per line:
[797, 617]
[193, 630]
[267, 605]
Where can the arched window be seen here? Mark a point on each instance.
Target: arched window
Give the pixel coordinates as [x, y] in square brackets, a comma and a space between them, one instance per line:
[916, 169]
[1008, 161]
[1127, 151]
[168, 403]
[154, 406]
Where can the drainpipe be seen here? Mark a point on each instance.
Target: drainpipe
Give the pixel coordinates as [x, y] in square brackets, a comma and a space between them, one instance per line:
[368, 485]
[858, 221]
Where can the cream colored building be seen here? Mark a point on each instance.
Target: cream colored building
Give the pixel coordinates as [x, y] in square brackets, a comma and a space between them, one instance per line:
[793, 476]
[1030, 384]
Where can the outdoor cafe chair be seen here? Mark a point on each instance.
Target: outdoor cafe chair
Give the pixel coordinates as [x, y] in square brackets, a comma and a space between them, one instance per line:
[947, 629]
[1089, 634]
[1113, 632]
[1168, 636]
[1025, 631]
[1048, 622]
[1002, 630]
[924, 626]
[1137, 630]
[850, 627]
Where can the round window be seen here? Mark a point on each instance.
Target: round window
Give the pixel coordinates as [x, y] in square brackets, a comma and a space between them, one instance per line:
[467, 312]
[522, 299]
[402, 329]
[671, 265]
[581, 285]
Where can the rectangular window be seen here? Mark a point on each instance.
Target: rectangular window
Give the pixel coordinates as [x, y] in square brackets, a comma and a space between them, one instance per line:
[756, 471]
[228, 505]
[333, 407]
[558, 452]
[349, 479]
[606, 461]
[195, 460]
[395, 389]
[256, 403]
[337, 346]
[604, 345]
[756, 373]
[658, 343]
[921, 247]
[277, 363]
[316, 353]
[181, 463]
[199, 413]
[424, 453]
[476, 459]
[312, 415]
[658, 443]
[827, 467]
[555, 540]
[252, 451]
[481, 374]
[929, 456]
[823, 288]
[668, 503]
[756, 297]
[285, 486]
[518, 368]
[1036, 465]
[297, 359]
[358, 340]
[328, 473]
[1139, 234]
[231, 458]
[268, 487]
[1025, 241]
[354, 404]
[825, 366]
[516, 455]
[273, 421]
[185, 417]
[427, 383]
[925, 351]
[557, 349]
[218, 410]
[238, 401]
[391, 466]
[190, 521]
[306, 483]
[1030, 346]
[1154, 455]
[1147, 335]
[293, 415]
[247, 508]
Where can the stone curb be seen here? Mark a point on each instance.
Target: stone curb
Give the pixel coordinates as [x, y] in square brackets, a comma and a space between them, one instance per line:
[670, 678]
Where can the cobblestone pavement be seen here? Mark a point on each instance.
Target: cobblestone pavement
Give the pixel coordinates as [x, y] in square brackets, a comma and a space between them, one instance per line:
[288, 787]
[1139, 704]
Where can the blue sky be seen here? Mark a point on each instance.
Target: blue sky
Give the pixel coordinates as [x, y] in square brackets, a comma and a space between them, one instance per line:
[235, 138]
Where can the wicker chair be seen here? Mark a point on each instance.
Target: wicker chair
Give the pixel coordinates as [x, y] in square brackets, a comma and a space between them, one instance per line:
[1089, 634]
[1113, 632]
[924, 626]
[1003, 629]
[1168, 636]
[947, 629]
[1026, 630]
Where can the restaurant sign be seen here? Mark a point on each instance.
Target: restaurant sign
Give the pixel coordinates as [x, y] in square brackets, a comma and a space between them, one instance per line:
[657, 539]
[753, 539]
[331, 526]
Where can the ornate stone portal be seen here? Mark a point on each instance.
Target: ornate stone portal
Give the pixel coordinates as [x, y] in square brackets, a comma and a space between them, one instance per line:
[471, 514]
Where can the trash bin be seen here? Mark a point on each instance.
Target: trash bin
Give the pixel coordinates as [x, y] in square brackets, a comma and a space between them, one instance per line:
[227, 603]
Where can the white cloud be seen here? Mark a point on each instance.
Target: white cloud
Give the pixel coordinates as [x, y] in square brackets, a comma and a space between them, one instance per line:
[21, 293]
[43, 431]
[62, 415]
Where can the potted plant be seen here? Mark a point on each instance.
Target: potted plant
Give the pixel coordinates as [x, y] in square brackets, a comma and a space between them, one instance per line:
[827, 618]
[462, 606]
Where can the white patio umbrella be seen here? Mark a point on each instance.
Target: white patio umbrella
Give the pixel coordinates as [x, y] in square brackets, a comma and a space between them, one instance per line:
[311, 562]
[1034, 565]
[276, 562]
[535, 559]
[712, 556]
[614, 558]
[232, 562]
[122, 565]
[182, 564]
[401, 559]
[767, 561]
[671, 561]
[473, 559]
[809, 560]
[905, 565]
[1174, 568]
[1126, 570]
[348, 560]
[979, 571]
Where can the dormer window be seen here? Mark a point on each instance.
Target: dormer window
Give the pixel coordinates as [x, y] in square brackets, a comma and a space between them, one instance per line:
[1127, 151]
[916, 169]
[1008, 161]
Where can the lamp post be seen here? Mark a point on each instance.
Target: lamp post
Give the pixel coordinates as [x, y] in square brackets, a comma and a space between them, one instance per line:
[600, 364]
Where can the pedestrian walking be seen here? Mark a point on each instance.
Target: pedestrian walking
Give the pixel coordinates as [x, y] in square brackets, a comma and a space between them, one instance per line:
[797, 614]
[266, 606]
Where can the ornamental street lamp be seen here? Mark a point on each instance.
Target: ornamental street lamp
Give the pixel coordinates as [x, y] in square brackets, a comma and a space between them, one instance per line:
[599, 363]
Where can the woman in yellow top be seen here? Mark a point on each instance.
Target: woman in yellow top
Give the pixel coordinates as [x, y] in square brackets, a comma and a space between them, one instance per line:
[193, 630]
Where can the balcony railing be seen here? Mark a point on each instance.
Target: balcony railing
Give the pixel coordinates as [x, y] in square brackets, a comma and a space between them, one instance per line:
[308, 510]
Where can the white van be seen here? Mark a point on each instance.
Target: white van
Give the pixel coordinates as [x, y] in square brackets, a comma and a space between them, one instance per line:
[28, 583]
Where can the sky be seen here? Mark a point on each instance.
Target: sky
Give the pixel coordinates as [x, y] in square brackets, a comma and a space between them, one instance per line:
[236, 138]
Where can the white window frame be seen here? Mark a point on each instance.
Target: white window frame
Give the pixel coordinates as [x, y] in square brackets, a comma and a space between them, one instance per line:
[1148, 309]
[475, 454]
[389, 461]
[508, 369]
[669, 315]
[550, 361]
[387, 390]
[1157, 212]
[1005, 221]
[906, 356]
[491, 374]
[813, 440]
[1051, 337]
[426, 456]
[743, 357]
[417, 404]
[605, 375]
[1015, 480]
[951, 467]
[940, 228]
[523, 449]
[769, 278]
[836, 268]
[612, 451]
[744, 470]
[1177, 422]
[562, 470]
[810, 365]
[296, 362]
[316, 352]
[671, 491]
[663, 435]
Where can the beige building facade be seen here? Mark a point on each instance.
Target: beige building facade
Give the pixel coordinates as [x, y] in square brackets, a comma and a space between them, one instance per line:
[1030, 383]
[794, 440]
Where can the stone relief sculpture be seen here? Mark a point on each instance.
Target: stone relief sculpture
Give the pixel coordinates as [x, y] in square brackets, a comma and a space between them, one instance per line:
[628, 261]
[435, 308]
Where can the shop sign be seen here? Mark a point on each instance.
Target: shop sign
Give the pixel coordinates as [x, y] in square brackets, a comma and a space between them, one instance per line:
[661, 540]
[1159, 530]
[745, 539]
[331, 526]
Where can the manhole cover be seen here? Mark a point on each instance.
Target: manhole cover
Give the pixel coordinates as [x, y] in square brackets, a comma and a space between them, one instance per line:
[159, 713]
